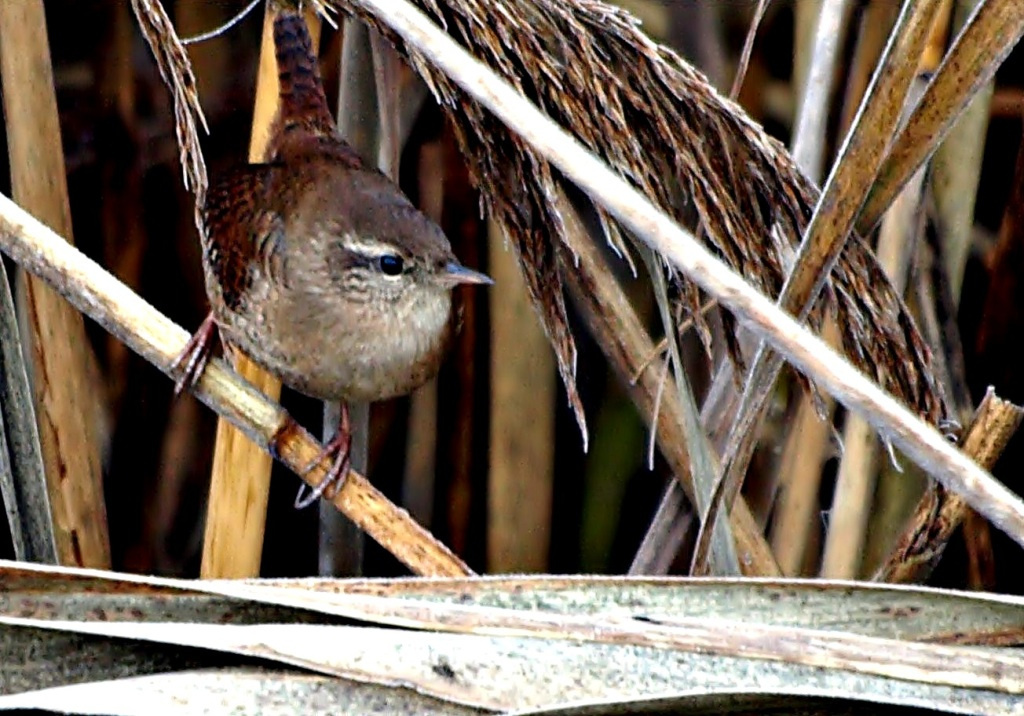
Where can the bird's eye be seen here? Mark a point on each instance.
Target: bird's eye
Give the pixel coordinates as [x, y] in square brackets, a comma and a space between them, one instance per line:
[390, 264]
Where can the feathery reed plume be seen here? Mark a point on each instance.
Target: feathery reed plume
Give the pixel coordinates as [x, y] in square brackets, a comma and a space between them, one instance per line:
[660, 124]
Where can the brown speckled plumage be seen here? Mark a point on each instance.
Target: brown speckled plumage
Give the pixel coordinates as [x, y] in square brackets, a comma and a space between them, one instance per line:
[318, 267]
[291, 248]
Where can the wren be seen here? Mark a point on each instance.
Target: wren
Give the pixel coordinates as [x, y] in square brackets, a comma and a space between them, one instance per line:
[318, 267]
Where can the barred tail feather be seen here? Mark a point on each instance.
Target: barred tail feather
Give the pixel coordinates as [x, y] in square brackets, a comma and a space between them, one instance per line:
[303, 103]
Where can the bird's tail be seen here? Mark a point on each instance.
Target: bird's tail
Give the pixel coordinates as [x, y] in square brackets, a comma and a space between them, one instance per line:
[303, 103]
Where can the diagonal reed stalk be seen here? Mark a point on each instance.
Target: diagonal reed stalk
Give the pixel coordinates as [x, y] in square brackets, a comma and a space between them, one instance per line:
[991, 32]
[830, 226]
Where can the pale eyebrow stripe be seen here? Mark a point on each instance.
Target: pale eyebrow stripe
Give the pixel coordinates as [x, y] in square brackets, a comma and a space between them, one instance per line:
[372, 249]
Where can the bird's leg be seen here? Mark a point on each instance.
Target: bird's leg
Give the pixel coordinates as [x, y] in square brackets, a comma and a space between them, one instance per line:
[339, 450]
[195, 355]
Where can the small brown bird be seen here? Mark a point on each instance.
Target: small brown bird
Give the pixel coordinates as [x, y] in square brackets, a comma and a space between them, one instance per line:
[318, 268]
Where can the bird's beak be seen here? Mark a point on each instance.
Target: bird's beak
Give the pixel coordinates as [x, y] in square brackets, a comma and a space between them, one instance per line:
[455, 273]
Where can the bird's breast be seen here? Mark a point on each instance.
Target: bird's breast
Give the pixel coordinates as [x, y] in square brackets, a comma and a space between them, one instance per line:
[333, 348]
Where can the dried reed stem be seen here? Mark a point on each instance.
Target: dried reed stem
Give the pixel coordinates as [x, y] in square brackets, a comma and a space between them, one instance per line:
[521, 454]
[811, 131]
[955, 173]
[804, 451]
[855, 483]
[992, 31]
[916, 554]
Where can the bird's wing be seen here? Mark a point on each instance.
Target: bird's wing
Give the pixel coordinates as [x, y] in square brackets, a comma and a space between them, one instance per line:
[243, 229]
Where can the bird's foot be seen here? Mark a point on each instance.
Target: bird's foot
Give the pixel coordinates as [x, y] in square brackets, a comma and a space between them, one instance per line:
[195, 355]
[339, 450]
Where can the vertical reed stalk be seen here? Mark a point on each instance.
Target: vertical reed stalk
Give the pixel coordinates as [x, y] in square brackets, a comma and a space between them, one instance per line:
[522, 425]
[240, 479]
[64, 371]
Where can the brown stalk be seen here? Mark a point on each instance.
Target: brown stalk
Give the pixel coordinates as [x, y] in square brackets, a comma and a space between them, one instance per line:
[808, 440]
[876, 23]
[992, 31]
[854, 494]
[114, 306]
[63, 365]
[808, 444]
[829, 228]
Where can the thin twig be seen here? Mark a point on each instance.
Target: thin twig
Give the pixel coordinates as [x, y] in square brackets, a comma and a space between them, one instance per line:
[748, 48]
[703, 461]
[218, 31]
[662, 346]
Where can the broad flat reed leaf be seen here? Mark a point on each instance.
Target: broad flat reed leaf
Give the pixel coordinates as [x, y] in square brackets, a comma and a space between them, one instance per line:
[236, 690]
[453, 656]
[743, 703]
